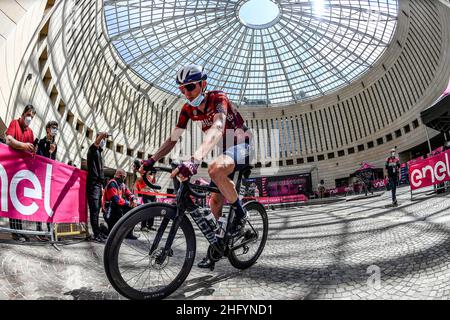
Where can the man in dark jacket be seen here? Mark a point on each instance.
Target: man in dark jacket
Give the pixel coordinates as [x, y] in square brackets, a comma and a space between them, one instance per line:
[94, 183]
[47, 146]
[392, 167]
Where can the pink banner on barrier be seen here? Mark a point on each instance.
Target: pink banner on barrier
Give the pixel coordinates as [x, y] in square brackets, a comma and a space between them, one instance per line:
[279, 199]
[381, 183]
[411, 162]
[430, 171]
[39, 189]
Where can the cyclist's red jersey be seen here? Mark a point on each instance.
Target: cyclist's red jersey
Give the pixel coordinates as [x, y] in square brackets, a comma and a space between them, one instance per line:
[216, 102]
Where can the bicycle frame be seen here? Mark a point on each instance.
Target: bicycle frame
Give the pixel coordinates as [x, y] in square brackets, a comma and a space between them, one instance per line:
[185, 204]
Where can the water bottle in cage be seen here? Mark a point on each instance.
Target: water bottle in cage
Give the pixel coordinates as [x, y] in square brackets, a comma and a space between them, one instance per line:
[206, 222]
[222, 226]
[209, 217]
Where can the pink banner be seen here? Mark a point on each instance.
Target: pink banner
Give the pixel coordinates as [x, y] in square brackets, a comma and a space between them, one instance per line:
[338, 190]
[280, 199]
[39, 189]
[166, 200]
[379, 183]
[430, 171]
[411, 162]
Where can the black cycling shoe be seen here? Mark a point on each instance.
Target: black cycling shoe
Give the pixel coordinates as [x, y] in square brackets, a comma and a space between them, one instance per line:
[238, 226]
[98, 238]
[206, 264]
[131, 236]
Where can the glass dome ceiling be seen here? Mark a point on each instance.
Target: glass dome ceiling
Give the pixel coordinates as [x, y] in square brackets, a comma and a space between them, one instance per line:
[260, 52]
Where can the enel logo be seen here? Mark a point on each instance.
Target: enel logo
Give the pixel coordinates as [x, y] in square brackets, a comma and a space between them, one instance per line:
[33, 193]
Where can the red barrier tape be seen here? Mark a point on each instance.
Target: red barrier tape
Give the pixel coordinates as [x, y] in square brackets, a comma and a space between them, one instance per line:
[156, 194]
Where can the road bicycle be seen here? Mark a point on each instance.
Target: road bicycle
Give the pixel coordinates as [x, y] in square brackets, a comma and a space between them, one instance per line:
[158, 262]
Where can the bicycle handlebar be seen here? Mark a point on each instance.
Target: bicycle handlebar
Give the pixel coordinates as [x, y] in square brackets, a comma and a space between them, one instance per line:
[148, 183]
[190, 186]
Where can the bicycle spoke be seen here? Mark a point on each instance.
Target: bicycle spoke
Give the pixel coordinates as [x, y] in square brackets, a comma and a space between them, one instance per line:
[135, 276]
[134, 264]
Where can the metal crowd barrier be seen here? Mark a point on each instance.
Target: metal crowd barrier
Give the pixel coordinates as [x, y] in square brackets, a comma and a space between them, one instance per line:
[54, 231]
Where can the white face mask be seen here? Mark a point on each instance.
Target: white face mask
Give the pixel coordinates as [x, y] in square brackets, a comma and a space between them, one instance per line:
[54, 132]
[393, 154]
[102, 144]
[197, 101]
[28, 120]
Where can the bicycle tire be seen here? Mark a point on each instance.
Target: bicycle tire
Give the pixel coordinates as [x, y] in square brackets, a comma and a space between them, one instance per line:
[117, 235]
[233, 257]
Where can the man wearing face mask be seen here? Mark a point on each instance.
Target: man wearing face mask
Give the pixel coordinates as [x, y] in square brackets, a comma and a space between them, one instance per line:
[94, 183]
[47, 146]
[392, 168]
[19, 136]
[140, 188]
[224, 127]
[118, 200]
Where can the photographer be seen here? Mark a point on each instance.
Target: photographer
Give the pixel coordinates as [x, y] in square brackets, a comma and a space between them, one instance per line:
[47, 146]
[19, 136]
[118, 200]
[94, 183]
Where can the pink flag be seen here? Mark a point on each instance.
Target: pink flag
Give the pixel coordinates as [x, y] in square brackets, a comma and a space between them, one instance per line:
[40, 189]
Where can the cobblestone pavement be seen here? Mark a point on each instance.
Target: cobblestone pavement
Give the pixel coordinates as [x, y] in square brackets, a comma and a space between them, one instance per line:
[347, 250]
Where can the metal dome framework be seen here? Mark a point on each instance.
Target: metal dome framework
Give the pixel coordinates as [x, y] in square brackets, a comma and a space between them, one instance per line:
[312, 48]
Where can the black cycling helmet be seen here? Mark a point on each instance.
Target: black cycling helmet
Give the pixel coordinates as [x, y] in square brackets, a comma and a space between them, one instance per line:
[136, 164]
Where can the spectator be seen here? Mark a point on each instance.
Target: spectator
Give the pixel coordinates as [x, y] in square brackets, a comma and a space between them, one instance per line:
[447, 145]
[118, 200]
[19, 136]
[300, 189]
[321, 188]
[47, 146]
[256, 192]
[139, 188]
[392, 168]
[95, 179]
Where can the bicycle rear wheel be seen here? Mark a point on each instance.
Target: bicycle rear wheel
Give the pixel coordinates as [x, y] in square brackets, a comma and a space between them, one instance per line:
[133, 268]
[249, 246]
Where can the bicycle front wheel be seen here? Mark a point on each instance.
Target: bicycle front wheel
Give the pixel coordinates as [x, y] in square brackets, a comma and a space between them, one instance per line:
[134, 266]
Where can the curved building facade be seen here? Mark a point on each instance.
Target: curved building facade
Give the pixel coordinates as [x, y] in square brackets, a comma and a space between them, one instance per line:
[58, 56]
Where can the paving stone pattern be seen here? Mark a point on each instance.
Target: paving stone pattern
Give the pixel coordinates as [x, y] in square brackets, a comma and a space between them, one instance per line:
[330, 251]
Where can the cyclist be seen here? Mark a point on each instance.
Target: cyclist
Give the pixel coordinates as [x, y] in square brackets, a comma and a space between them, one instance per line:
[221, 123]
[392, 166]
